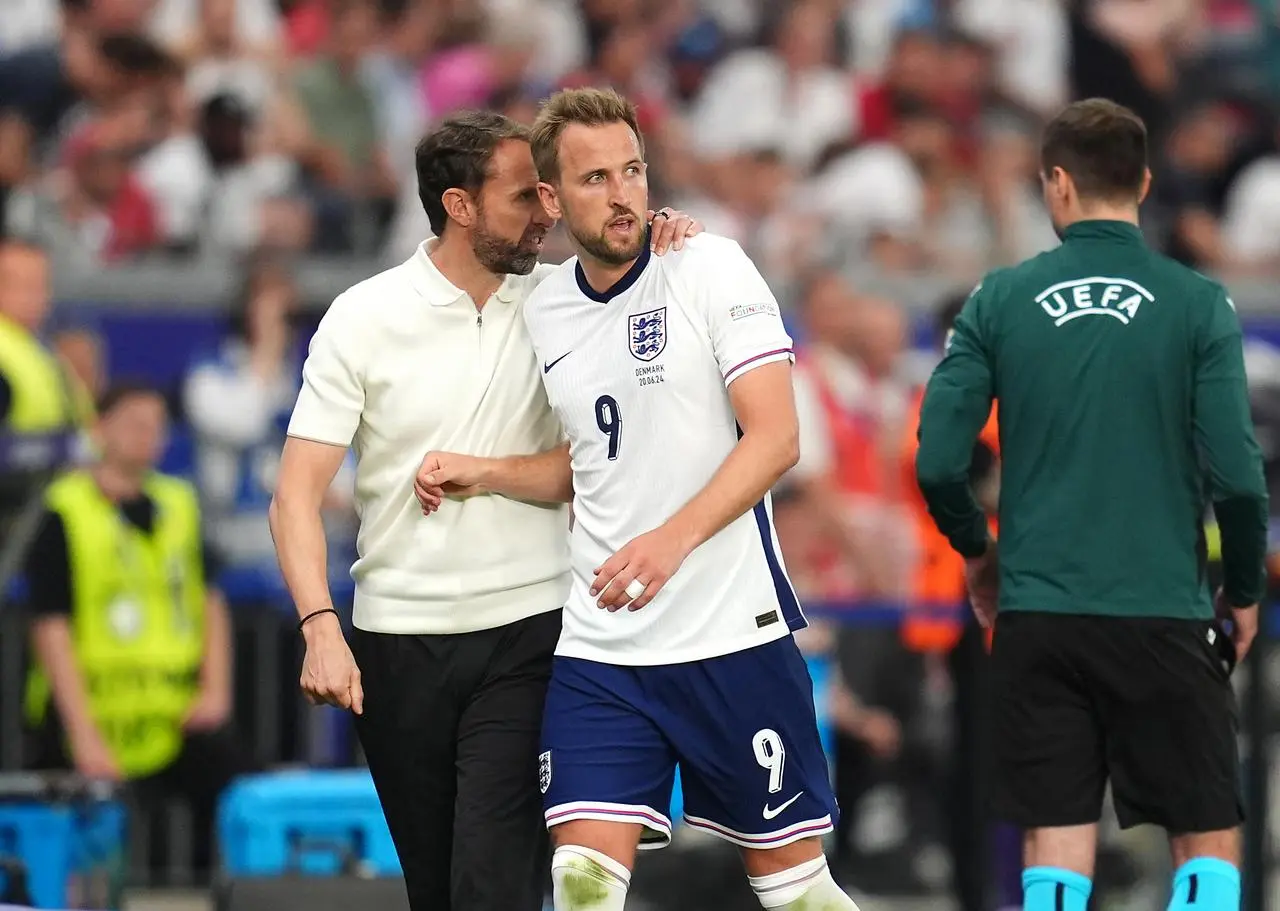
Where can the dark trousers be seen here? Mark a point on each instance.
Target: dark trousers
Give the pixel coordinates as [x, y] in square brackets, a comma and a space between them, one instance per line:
[451, 730]
[881, 672]
[969, 823]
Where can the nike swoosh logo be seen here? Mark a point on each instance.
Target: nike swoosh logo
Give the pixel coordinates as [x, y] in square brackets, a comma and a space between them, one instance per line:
[546, 368]
[770, 812]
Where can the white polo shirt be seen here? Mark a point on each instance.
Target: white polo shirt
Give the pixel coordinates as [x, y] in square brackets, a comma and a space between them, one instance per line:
[402, 364]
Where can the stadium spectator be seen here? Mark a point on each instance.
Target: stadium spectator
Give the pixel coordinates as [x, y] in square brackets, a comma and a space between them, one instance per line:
[346, 171]
[1030, 40]
[238, 403]
[838, 473]
[1189, 197]
[627, 61]
[41, 86]
[216, 189]
[217, 61]
[37, 392]
[132, 643]
[239, 40]
[1251, 217]
[94, 209]
[799, 101]
[912, 72]
[874, 197]
[409, 32]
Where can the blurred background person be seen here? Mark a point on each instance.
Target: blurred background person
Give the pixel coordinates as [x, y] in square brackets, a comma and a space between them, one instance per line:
[38, 393]
[43, 402]
[132, 680]
[238, 401]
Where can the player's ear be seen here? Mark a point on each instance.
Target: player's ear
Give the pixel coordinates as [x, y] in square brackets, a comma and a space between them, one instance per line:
[459, 206]
[1146, 185]
[1060, 184]
[550, 201]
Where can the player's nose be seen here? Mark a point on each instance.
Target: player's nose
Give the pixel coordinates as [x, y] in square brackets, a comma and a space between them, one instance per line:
[619, 194]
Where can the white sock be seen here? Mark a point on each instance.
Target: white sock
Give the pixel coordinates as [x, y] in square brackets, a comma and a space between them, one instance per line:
[584, 879]
[808, 886]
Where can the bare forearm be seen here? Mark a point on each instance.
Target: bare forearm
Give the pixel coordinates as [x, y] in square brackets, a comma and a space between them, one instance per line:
[752, 468]
[298, 532]
[51, 640]
[215, 669]
[542, 478]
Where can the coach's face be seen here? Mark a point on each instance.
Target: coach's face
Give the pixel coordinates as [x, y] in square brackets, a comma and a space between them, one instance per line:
[511, 222]
[603, 191]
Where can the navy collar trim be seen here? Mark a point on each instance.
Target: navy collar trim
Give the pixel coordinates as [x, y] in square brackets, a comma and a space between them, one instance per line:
[629, 278]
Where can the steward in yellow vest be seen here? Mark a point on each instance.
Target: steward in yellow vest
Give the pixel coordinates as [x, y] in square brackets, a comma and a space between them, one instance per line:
[38, 394]
[133, 675]
[136, 613]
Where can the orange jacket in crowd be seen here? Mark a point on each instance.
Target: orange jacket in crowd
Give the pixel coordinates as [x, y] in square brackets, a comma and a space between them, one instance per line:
[859, 469]
[939, 577]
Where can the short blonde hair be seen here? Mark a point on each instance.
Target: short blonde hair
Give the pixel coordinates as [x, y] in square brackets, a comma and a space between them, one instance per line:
[590, 107]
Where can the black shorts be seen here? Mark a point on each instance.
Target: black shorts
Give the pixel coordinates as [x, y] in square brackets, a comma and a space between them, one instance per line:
[1144, 702]
[450, 730]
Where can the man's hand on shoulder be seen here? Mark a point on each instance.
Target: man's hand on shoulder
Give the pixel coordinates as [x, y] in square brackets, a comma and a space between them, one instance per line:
[982, 574]
[449, 474]
[670, 227]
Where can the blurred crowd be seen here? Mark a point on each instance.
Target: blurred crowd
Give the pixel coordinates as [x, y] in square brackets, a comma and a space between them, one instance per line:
[900, 133]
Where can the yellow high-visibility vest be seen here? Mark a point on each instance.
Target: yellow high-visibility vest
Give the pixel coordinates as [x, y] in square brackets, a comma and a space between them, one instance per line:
[137, 620]
[45, 397]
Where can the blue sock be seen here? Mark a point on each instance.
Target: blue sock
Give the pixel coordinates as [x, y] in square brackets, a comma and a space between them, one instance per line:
[1206, 884]
[1054, 889]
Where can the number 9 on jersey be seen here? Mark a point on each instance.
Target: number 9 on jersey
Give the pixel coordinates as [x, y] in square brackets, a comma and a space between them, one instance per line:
[609, 420]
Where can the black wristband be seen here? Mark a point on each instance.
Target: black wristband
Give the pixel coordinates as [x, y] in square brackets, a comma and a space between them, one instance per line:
[316, 613]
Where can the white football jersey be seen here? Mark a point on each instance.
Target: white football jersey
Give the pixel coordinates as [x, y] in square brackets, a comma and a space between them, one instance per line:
[639, 377]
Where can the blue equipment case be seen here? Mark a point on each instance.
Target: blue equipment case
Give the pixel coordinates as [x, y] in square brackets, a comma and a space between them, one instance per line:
[62, 846]
[306, 821]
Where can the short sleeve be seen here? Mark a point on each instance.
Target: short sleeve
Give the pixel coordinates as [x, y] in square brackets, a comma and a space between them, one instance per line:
[211, 563]
[332, 396]
[741, 312]
[6, 398]
[47, 569]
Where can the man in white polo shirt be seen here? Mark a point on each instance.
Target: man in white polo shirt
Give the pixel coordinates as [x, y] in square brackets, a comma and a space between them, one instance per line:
[456, 618]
